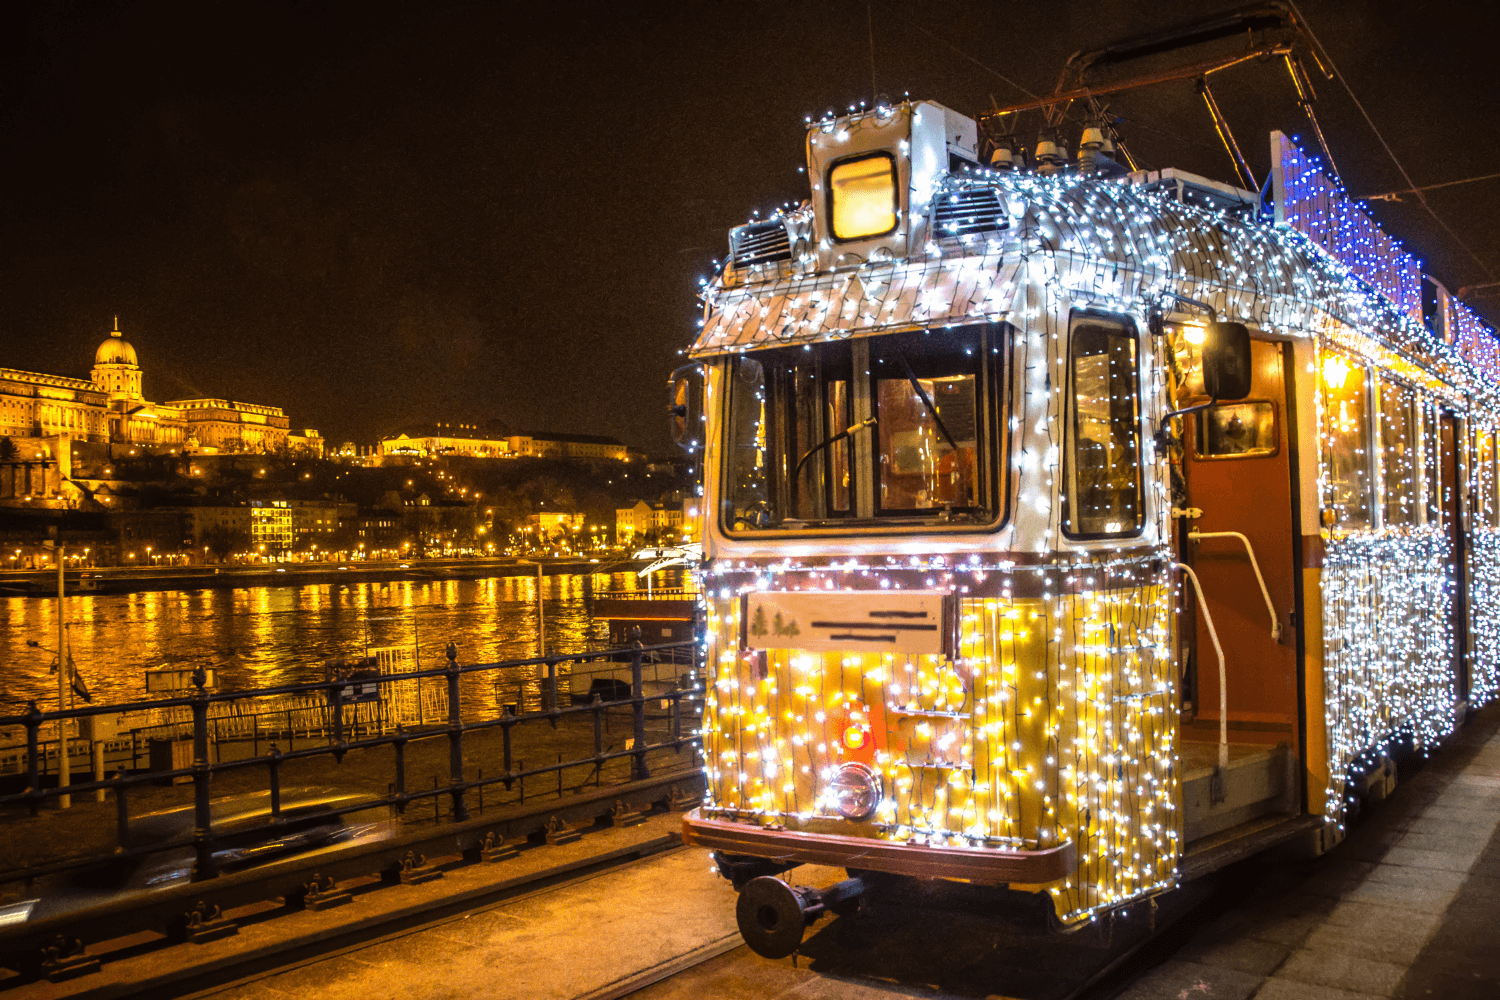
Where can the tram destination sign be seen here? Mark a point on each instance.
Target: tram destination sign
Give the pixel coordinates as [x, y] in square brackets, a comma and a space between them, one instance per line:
[909, 622]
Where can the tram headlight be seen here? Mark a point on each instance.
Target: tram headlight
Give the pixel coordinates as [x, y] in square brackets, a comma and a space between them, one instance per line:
[856, 791]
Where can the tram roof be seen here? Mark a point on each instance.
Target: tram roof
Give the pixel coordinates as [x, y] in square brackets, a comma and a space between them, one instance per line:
[1105, 242]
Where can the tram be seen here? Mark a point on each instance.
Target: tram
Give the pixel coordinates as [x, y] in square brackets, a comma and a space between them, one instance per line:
[1073, 530]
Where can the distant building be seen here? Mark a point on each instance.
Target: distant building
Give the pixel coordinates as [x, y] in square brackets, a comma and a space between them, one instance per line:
[379, 529]
[648, 523]
[489, 441]
[315, 520]
[578, 447]
[442, 440]
[110, 407]
[306, 442]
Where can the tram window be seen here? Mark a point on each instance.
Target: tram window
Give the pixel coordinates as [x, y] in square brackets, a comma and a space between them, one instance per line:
[862, 200]
[747, 476]
[809, 446]
[927, 390]
[1346, 429]
[1238, 430]
[1398, 453]
[1484, 477]
[1432, 479]
[1103, 498]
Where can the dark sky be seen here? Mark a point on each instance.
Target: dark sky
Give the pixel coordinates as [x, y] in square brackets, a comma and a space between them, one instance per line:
[372, 214]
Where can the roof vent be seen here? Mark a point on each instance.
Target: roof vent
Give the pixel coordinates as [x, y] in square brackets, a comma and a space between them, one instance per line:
[968, 210]
[758, 244]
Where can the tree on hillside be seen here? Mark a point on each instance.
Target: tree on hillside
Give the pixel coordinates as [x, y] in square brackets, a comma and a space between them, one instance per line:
[223, 541]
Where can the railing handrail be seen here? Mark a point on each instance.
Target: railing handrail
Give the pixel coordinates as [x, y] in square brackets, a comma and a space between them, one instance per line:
[187, 701]
[344, 734]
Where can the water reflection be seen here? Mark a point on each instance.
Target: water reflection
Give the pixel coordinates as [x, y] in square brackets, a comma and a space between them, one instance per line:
[279, 635]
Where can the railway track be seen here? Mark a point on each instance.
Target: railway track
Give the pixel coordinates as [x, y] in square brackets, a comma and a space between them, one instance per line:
[613, 933]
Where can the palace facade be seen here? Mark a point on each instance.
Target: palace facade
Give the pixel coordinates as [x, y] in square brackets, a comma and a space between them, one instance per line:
[111, 407]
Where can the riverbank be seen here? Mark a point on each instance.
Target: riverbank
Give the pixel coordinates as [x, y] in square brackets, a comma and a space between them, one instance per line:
[141, 579]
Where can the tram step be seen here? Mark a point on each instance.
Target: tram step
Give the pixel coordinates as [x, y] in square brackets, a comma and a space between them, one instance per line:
[1256, 783]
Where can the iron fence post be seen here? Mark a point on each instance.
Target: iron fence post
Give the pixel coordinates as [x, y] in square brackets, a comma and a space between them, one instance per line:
[122, 814]
[507, 720]
[34, 779]
[203, 865]
[639, 771]
[455, 739]
[400, 745]
[336, 709]
[275, 766]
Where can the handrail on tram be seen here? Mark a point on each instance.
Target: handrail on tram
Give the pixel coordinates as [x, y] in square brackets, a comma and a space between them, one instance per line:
[1264, 593]
[1223, 681]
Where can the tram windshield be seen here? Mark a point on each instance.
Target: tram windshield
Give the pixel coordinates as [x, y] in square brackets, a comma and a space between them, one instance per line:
[890, 429]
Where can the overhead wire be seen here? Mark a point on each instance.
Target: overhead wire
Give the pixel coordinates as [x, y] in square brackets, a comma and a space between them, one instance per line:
[1412, 185]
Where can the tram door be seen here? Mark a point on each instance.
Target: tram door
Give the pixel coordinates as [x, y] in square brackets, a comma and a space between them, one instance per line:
[1238, 472]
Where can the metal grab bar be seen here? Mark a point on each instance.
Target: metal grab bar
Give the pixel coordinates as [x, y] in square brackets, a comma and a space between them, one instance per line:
[1223, 681]
[1264, 593]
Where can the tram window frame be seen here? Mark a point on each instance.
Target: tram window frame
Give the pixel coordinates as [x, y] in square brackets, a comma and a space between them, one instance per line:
[1432, 470]
[993, 447]
[1364, 464]
[829, 193]
[1125, 329]
[1406, 403]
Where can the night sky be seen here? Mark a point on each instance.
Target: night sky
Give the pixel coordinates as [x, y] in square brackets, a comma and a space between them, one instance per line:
[379, 214]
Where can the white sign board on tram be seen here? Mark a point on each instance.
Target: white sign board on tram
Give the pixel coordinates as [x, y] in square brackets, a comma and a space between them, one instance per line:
[908, 622]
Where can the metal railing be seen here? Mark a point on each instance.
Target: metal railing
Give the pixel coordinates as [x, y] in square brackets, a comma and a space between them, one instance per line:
[677, 700]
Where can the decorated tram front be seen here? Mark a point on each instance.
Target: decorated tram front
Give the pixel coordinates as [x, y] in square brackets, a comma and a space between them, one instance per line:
[951, 501]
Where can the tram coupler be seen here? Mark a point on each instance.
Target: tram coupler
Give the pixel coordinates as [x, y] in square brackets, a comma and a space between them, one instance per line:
[773, 915]
[740, 869]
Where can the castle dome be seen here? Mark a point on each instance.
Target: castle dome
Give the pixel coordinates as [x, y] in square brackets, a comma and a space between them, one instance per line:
[115, 350]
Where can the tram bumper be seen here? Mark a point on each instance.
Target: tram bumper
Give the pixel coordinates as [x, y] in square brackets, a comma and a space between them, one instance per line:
[977, 864]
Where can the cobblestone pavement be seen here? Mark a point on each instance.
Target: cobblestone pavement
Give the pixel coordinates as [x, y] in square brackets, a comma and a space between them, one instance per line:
[1408, 907]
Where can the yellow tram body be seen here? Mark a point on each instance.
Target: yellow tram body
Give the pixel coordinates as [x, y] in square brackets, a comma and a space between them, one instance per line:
[968, 567]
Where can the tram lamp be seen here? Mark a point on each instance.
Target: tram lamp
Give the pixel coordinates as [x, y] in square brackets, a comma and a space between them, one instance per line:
[856, 791]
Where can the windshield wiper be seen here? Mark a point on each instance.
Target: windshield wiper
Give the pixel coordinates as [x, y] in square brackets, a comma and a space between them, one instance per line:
[841, 435]
[922, 394]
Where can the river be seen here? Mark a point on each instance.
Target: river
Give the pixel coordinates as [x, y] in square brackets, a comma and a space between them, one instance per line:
[263, 636]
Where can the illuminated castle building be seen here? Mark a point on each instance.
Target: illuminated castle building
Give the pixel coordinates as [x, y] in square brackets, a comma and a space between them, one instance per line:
[46, 417]
[111, 407]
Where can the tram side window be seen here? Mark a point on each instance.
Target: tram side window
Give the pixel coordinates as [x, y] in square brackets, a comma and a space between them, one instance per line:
[1103, 485]
[1432, 476]
[747, 496]
[1346, 431]
[1484, 477]
[1398, 453]
[1237, 430]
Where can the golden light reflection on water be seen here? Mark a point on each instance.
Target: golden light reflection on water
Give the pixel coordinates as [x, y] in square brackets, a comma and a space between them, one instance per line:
[265, 636]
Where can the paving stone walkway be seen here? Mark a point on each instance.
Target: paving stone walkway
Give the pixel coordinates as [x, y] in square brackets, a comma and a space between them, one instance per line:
[1408, 907]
